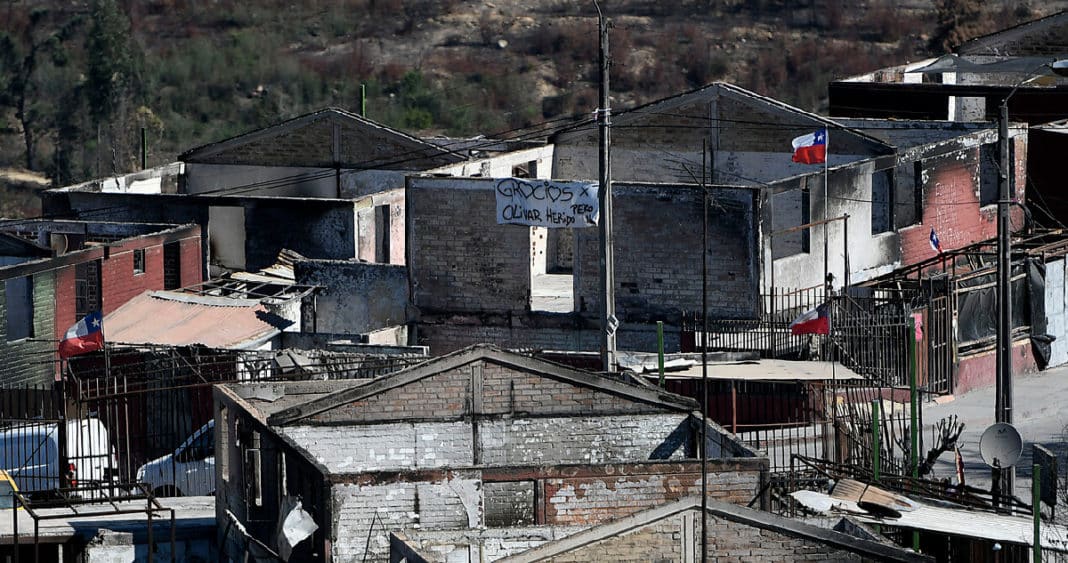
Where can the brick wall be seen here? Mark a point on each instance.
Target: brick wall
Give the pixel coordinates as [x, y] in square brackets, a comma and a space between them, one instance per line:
[660, 541]
[459, 258]
[505, 390]
[191, 261]
[456, 500]
[951, 204]
[25, 360]
[657, 232]
[732, 541]
[728, 541]
[584, 500]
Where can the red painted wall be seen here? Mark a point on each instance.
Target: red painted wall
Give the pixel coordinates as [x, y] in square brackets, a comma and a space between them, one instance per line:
[979, 370]
[951, 206]
[118, 281]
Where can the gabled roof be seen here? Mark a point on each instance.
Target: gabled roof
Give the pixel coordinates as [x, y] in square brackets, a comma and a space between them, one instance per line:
[1046, 36]
[636, 392]
[325, 138]
[867, 549]
[720, 126]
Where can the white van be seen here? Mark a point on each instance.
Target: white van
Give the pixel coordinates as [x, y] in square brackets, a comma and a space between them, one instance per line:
[188, 470]
[29, 453]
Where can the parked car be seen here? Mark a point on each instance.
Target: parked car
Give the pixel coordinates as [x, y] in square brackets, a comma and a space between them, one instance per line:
[188, 470]
[29, 454]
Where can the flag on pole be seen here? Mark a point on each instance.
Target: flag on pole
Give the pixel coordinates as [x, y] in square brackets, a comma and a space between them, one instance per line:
[814, 321]
[86, 335]
[935, 244]
[811, 148]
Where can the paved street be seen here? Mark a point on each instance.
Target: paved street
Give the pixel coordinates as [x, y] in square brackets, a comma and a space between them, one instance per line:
[1040, 415]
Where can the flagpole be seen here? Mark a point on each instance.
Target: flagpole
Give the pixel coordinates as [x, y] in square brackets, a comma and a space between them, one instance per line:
[826, 217]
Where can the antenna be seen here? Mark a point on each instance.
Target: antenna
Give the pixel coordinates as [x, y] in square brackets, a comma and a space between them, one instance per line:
[1001, 445]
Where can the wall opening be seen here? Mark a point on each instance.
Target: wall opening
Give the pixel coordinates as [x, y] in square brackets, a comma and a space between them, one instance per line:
[552, 289]
[382, 232]
[19, 295]
[882, 201]
[87, 289]
[226, 236]
[172, 265]
[139, 261]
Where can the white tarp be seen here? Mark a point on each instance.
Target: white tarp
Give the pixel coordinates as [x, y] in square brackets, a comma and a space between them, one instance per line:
[296, 526]
[546, 203]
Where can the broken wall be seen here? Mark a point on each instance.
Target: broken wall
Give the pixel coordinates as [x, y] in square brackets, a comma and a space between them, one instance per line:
[460, 260]
[355, 297]
[658, 248]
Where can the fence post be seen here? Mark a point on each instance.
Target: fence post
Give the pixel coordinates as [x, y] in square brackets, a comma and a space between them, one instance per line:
[875, 447]
[914, 431]
[1036, 509]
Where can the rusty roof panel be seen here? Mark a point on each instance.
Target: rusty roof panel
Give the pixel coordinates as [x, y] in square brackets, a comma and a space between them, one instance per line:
[160, 318]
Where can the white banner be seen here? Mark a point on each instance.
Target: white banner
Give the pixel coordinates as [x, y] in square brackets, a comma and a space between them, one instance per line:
[545, 203]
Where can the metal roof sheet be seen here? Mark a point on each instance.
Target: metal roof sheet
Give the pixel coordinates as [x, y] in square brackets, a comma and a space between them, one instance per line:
[770, 370]
[167, 318]
[952, 521]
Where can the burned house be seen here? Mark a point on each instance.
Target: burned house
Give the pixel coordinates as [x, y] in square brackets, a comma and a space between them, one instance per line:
[776, 228]
[969, 86]
[56, 272]
[477, 438]
[327, 185]
[671, 532]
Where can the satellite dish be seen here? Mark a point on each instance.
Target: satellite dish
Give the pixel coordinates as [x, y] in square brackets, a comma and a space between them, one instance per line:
[1001, 445]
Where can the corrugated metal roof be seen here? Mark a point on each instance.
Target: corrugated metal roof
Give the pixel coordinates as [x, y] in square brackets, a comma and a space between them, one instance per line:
[952, 521]
[770, 370]
[168, 318]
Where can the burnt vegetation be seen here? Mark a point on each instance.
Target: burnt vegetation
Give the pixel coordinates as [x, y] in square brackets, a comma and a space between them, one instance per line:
[193, 72]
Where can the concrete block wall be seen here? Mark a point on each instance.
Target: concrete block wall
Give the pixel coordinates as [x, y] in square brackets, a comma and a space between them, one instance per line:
[355, 297]
[451, 504]
[386, 447]
[601, 439]
[21, 358]
[657, 235]
[459, 258]
[520, 442]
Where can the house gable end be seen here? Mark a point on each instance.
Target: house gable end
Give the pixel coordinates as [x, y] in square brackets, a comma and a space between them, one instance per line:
[325, 139]
[485, 381]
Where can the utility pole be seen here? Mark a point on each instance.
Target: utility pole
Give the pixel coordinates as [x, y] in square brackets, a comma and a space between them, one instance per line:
[609, 323]
[1004, 479]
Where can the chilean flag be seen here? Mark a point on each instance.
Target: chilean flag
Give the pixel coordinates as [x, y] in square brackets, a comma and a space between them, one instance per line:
[814, 321]
[811, 148]
[935, 244]
[87, 335]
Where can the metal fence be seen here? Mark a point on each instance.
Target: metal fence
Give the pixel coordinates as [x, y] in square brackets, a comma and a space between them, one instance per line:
[869, 332]
[117, 410]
